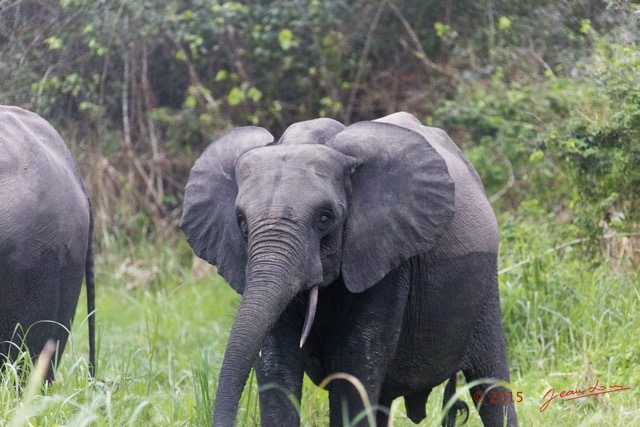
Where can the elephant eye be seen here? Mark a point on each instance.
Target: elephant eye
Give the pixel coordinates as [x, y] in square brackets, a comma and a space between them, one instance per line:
[242, 223]
[325, 219]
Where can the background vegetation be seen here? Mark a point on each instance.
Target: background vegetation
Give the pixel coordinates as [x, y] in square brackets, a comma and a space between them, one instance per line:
[544, 98]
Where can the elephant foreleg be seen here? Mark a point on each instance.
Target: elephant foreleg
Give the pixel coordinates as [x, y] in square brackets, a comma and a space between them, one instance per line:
[364, 372]
[365, 348]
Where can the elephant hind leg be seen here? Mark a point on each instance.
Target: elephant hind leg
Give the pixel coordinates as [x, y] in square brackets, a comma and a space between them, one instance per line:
[486, 359]
[457, 408]
[416, 406]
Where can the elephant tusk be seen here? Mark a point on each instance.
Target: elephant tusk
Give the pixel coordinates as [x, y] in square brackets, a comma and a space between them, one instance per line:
[311, 314]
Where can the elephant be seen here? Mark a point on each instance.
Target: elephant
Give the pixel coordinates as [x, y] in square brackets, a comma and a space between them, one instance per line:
[368, 250]
[46, 228]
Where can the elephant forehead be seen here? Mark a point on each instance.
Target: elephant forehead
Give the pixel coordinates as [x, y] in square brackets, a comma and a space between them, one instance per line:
[293, 176]
[298, 163]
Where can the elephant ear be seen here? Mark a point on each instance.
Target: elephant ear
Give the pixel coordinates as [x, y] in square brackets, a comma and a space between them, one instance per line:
[402, 200]
[209, 213]
[317, 131]
[434, 136]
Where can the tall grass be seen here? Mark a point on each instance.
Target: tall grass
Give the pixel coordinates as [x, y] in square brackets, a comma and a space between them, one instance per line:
[163, 321]
[571, 321]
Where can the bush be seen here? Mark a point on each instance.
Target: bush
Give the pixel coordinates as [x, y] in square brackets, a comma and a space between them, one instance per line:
[572, 140]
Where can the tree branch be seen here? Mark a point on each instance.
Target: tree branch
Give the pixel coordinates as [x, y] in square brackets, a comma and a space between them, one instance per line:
[361, 63]
[417, 50]
[125, 103]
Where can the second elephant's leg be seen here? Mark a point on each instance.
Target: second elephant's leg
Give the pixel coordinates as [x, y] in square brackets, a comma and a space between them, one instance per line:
[280, 370]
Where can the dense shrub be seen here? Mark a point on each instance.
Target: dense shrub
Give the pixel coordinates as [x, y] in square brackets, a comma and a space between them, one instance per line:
[571, 140]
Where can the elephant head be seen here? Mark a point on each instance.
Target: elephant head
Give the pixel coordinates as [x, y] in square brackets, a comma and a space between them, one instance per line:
[282, 219]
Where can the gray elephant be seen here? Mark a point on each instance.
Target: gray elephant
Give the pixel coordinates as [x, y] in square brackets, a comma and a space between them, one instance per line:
[45, 238]
[381, 233]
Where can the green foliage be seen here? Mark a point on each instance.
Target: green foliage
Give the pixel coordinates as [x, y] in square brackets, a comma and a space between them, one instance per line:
[442, 30]
[543, 99]
[503, 123]
[600, 142]
[572, 140]
[286, 40]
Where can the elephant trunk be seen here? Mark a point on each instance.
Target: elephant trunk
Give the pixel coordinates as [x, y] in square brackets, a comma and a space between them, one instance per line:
[273, 280]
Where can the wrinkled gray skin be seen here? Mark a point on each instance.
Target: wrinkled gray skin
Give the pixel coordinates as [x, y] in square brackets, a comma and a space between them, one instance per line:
[45, 238]
[391, 222]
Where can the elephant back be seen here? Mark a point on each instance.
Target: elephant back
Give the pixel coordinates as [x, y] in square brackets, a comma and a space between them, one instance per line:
[473, 227]
[41, 191]
[28, 143]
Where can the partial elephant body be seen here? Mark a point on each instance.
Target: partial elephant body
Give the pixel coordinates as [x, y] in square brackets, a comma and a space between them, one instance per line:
[390, 222]
[395, 343]
[45, 236]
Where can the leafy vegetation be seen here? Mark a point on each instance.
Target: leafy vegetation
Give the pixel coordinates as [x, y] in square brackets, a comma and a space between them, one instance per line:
[549, 93]
[544, 100]
[572, 140]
